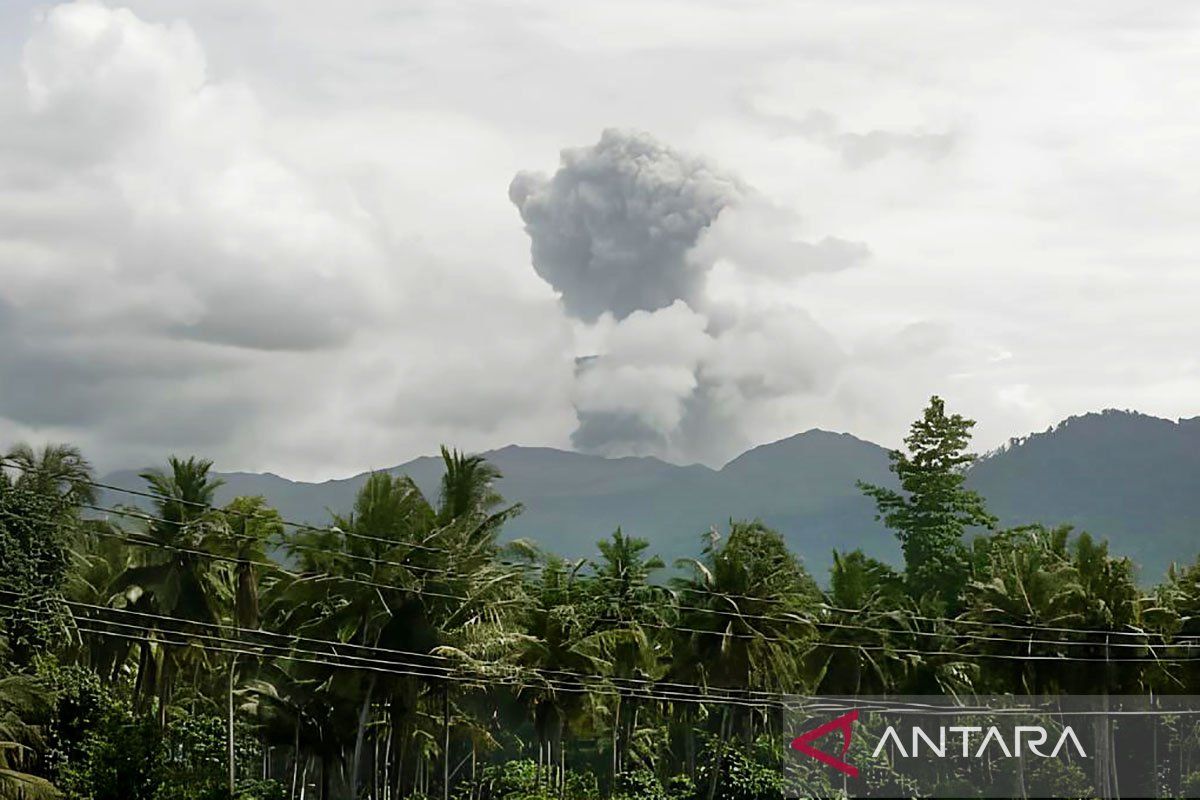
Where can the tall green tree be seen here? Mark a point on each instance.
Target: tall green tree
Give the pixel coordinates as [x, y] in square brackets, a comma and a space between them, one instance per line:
[933, 508]
[176, 575]
[561, 637]
[249, 526]
[37, 523]
[467, 487]
[863, 628]
[634, 614]
[1024, 578]
[55, 469]
[745, 624]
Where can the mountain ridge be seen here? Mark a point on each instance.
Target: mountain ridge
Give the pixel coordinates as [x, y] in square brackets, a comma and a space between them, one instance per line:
[1121, 475]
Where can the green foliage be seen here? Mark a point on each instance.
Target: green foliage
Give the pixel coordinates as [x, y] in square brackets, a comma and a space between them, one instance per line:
[643, 784]
[123, 756]
[191, 760]
[522, 780]
[113, 758]
[105, 718]
[1061, 779]
[931, 513]
[34, 559]
[24, 707]
[57, 470]
[467, 487]
[739, 775]
[261, 790]
[638, 785]
[99, 748]
[763, 598]
[1191, 784]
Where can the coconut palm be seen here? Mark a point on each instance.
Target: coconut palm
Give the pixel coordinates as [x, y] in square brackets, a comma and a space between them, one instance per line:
[249, 524]
[745, 624]
[22, 700]
[764, 601]
[176, 575]
[397, 574]
[55, 470]
[99, 558]
[561, 638]
[1026, 580]
[632, 614]
[862, 629]
[467, 486]
[358, 583]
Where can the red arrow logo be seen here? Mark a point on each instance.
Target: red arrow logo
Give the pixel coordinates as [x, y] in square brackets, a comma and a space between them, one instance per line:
[842, 723]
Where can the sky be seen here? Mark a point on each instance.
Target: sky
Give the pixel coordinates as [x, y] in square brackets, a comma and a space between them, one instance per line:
[316, 238]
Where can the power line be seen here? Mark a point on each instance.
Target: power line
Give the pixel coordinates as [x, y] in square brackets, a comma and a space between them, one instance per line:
[1011, 625]
[686, 608]
[665, 626]
[518, 565]
[763, 617]
[142, 541]
[541, 672]
[312, 528]
[674, 627]
[225, 645]
[598, 685]
[805, 703]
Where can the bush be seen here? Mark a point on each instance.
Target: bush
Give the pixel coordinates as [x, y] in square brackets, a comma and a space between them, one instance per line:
[638, 785]
[1191, 785]
[1059, 779]
[518, 780]
[114, 759]
[261, 790]
[99, 749]
[741, 776]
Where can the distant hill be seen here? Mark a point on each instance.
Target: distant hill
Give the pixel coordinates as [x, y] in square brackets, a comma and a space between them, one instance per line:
[1131, 478]
[803, 485]
[1128, 477]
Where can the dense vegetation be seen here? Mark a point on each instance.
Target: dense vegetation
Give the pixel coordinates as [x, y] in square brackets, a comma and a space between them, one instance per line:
[195, 652]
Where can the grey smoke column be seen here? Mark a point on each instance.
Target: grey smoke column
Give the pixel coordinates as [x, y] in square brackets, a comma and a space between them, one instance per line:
[611, 229]
[631, 228]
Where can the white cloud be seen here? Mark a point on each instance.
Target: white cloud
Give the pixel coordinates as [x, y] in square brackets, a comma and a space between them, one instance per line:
[278, 234]
[175, 278]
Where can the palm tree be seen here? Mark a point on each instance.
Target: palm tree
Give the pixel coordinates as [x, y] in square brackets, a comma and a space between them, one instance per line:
[631, 615]
[764, 601]
[1110, 602]
[176, 576]
[397, 574]
[1026, 579]
[248, 526]
[21, 699]
[357, 584]
[57, 470]
[99, 558]
[863, 627]
[744, 624]
[561, 638]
